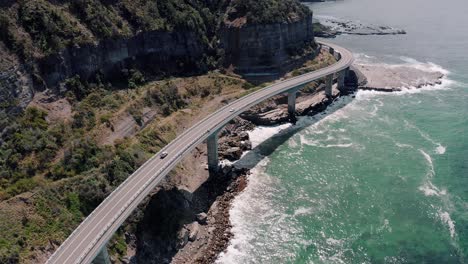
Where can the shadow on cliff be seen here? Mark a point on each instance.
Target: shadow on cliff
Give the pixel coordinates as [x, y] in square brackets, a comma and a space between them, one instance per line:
[160, 233]
[267, 147]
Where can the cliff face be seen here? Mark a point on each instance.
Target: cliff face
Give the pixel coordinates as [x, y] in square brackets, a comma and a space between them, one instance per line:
[156, 52]
[266, 51]
[103, 40]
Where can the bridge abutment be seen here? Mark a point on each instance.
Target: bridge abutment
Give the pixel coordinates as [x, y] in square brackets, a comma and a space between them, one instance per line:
[212, 147]
[102, 257]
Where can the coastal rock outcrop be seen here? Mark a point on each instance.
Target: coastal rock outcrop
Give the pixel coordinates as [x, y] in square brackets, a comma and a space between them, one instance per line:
[397, 77]
[331, 27]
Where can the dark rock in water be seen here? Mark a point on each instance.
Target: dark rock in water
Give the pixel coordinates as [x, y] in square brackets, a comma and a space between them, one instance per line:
[232, 154]
[245, 145]
[244, 135]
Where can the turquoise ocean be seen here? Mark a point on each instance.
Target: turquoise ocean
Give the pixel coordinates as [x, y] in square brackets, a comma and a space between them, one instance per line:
[379, 178]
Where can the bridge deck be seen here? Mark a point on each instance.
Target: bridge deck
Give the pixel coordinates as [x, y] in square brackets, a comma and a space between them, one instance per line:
[92, 234]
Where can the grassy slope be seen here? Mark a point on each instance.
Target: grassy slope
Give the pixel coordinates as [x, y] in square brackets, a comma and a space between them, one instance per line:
[63, 192]
[53, 173]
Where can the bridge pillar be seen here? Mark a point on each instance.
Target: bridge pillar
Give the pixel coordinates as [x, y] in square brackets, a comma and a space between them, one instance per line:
[292, 102]
[329, 85]
[102, 257]
[212, 146]
[341, 81]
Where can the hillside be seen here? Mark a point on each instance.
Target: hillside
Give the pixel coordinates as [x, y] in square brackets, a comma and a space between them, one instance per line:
[89, 89]
[36, 28]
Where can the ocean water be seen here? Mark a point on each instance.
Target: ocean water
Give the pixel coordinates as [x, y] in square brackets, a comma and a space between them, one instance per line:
[380, 178]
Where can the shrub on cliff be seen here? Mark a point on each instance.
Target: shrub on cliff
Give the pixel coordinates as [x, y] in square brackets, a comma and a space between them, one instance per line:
[50, 28]
[103, 21]
[266, 11]
[26, 147]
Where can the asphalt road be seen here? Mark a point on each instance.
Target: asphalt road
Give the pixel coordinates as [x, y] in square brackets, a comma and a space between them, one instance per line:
[92, 234]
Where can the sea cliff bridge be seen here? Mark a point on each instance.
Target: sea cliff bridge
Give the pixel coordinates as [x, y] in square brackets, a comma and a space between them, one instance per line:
[88, 242]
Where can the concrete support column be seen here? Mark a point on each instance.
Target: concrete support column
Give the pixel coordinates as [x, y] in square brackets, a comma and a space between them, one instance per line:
[292, 102]
[212, 145]
[102, 257]
[329, 85]
[331, 51]
[341, 81]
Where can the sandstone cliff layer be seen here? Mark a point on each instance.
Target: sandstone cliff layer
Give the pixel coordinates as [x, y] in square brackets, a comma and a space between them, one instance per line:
[155, 51]
[266, 51]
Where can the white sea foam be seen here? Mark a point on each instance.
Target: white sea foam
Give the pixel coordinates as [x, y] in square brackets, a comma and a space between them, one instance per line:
[424, 66]
[429, 162]
[430, 189]
[339, 145]
[261, 133]
[303, 211]
[402, 145]
[446, 219]
[440, 149]
[244, 206]
[320, 143]
[334, 242]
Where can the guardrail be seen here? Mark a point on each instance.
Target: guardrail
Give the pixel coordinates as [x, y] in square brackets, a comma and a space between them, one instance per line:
[105, 234]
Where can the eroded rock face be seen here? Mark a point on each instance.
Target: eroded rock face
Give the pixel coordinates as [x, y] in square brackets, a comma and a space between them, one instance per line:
[154, 51]
[15, 89]
[267, 51]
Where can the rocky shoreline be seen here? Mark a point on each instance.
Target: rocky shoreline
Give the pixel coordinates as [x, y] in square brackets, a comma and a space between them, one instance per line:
[396, 78]
[196, 223]
[274, 112]
[206, 233]
[332, 27]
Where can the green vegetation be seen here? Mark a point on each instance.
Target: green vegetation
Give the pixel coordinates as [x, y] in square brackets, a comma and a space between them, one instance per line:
[54, 172]
[62, 170]
[267, 11]
[36, 28]
[103, 20]
[324, 59]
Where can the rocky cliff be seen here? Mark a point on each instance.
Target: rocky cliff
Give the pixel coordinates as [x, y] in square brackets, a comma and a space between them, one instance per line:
[266, 51]
[156, 52]
[103, 40]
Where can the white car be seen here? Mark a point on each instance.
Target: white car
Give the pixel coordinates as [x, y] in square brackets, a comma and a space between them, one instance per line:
[232, 110]
[163, 155]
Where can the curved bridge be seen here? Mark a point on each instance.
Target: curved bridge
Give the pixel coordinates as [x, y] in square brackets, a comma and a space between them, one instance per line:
[88, 242]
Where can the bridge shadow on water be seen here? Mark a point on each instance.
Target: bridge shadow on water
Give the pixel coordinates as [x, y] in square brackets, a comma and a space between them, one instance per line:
[170, 210]
[267, 147]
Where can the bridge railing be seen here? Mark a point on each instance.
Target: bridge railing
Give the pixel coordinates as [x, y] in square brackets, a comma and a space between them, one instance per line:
[124, 212]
